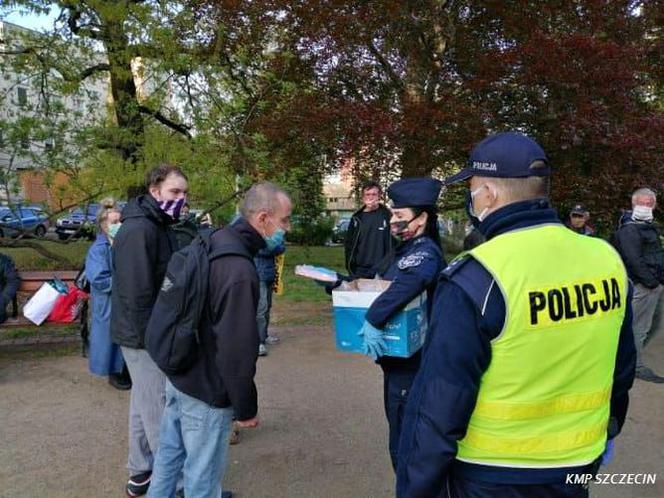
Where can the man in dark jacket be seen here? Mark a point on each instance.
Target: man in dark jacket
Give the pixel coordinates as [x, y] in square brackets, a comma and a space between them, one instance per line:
[368, 239]
[578, 220]
[141, 251]
[638, 242]
[9, 284]
[267, 271]
[201, 402]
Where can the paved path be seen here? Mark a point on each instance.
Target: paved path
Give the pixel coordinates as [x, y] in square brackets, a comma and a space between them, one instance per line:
[323, 432]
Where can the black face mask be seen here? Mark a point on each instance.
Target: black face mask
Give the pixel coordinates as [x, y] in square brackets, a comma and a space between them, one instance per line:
[401, 227]
[469, 211]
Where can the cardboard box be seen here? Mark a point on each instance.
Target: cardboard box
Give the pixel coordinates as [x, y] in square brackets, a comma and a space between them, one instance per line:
[404, 334]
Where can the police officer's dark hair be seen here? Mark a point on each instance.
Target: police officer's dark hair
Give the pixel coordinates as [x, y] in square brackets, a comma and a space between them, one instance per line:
[371, 184]
[431, 227]
[156, 176]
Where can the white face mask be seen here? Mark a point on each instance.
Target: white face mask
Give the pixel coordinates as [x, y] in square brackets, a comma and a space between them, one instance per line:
[482, 215]
[642, 213]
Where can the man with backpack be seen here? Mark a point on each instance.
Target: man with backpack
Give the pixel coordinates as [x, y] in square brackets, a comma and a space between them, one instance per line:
[141, 251]
[211, 378]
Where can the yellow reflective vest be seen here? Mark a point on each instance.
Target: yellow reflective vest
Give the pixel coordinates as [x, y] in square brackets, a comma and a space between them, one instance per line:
[544, 400]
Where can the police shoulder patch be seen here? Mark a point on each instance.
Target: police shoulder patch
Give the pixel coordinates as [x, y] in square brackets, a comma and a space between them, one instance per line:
[413, 260]
[455, 265]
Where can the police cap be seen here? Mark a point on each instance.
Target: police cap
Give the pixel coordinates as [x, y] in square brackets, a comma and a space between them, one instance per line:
[579, 209]
[504, 155]
[412, 192]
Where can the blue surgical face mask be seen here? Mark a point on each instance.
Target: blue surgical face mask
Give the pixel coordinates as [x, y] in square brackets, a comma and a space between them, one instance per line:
[275, 240]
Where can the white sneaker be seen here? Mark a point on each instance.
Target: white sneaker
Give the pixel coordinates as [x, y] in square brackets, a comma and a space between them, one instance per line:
[271, 339]
[262, 350]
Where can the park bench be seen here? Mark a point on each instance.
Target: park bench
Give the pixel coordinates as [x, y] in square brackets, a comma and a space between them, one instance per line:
[31, 281]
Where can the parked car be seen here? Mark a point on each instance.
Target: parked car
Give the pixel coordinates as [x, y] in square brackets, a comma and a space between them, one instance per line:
[14, 221]
[80, 222]
[339, 231]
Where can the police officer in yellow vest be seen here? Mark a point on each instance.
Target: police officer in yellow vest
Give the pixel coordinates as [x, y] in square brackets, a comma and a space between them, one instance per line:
[529, 359]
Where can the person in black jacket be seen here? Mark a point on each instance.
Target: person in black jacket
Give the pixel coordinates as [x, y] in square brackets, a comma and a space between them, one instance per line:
[141, 251]
[201, 401]
[368, 238]
[9, 284]
[185, 229]
[637, 240]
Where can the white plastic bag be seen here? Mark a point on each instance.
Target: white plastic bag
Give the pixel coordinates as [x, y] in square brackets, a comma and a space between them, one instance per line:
[41, 304]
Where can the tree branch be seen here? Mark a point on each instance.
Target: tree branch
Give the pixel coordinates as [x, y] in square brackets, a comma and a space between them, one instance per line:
[387, 67]
[180, 128]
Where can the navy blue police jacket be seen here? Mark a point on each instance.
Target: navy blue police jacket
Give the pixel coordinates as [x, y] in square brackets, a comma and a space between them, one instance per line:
[414, 269]
[469, 313]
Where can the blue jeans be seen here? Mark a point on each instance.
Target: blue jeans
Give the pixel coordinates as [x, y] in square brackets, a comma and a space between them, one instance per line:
[194, 436]
[263, 311]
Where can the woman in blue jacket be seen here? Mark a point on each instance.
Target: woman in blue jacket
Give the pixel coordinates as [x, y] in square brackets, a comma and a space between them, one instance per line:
[105, 358]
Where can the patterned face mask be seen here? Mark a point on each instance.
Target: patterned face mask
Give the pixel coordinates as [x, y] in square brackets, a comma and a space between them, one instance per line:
[400, 230]
[172, 208]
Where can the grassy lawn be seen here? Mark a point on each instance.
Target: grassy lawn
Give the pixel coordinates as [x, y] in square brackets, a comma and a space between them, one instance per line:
[29, 259]
[297, 289]
[303, 302]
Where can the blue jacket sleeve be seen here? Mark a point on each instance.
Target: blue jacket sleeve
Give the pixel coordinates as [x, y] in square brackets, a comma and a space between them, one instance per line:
[444, 393]
[405, 287]
[623, 375]
[98, 268]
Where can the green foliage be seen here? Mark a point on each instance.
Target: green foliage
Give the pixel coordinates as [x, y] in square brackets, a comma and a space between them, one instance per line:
[311, 232]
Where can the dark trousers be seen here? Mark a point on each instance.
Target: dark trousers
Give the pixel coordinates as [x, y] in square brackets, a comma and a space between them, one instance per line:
[458, 487]
[396, 387]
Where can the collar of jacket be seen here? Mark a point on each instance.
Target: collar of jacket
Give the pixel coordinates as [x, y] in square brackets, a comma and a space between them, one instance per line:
[146, 206]
[102, 239]
[407, 245]
[519, 215]
[381, 207]
[250, 237]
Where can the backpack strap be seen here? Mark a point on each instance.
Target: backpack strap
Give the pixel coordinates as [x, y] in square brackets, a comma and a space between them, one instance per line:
[230, 249]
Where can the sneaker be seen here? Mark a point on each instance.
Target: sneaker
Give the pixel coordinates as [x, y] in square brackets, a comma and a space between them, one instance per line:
[648, 375]
[272, 339]
[262, 350]
[138, 485]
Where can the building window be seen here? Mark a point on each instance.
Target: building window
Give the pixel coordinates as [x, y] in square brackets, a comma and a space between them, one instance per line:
[22, 95]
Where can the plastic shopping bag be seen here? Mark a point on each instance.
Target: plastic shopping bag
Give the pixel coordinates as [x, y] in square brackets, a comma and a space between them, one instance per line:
[68, 306]
[41, 304]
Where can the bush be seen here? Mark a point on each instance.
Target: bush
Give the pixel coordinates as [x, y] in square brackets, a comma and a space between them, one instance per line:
[311, 232]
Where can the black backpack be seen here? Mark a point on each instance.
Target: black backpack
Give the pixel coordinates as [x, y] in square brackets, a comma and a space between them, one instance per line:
[171, 337]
